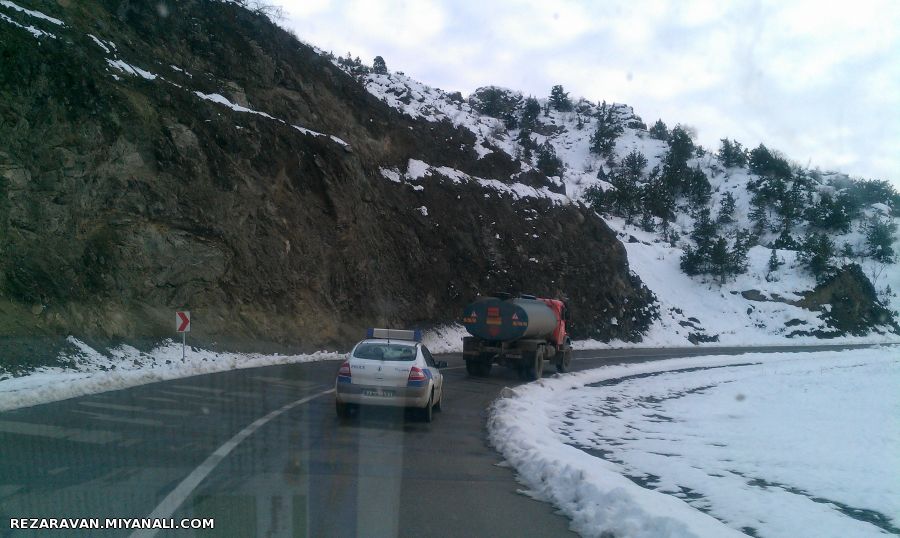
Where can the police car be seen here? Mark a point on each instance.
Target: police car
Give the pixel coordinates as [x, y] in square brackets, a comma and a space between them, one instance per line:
[390, 368]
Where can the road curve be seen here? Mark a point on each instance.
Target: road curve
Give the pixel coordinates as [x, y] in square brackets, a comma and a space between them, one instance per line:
[196, 447]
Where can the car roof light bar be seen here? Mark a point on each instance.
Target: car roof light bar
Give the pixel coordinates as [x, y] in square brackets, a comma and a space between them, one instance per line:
[394, 334]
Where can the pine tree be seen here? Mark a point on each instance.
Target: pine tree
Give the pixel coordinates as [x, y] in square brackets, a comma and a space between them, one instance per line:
[547, 161]
[774, 261]
[626, 182]
[530, 112]
[786, 241]
[634, 164]
[690, 261]
[699, 189]
[847, 251]
[732, 154]
[880, 239]
[647, 222]
[528, 144]
[790, 205]
[559, 99]
[704, 233]
[718, 258]
[596, 198]
[816, 254]
[603, 140]
[676, 174]
[659, 131]
[737, 258]
[657, 199]
[767, 164]
[758, 214]
[378, 66]
[726, 211]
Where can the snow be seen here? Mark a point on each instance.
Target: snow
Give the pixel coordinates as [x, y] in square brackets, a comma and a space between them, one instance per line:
[391, 174]
[30, 29]
[130, 69]
[785, 444]
[125, 366]
[100, 44]
[721, 309]
[418, 100]
[445, 339]
[417, 170]
[220, 99]
[31, 13]
[180, 70]
[423, 210]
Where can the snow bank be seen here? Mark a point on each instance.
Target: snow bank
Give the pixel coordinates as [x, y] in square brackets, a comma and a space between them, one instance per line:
[125, 366]
[785, 445]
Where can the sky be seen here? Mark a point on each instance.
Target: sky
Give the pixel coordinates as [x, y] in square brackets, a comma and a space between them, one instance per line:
[816, 80]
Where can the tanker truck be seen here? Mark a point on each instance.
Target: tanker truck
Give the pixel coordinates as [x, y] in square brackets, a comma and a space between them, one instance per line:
[522, 333]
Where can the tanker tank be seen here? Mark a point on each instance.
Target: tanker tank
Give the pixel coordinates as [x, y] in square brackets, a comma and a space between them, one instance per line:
[495, 319]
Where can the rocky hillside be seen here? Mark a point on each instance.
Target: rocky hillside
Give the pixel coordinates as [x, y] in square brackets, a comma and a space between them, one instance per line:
[160, 156]
[740, 246]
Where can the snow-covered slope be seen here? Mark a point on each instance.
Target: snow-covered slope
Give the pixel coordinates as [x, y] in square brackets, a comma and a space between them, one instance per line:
[755, 307]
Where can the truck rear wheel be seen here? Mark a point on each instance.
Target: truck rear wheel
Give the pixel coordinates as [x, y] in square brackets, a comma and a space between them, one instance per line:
[534, 369]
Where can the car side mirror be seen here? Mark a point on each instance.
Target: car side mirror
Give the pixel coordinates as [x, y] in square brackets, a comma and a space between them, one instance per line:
[441, 364]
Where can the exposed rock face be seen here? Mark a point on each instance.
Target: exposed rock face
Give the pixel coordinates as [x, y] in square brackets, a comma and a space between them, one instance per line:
[123, 198]
[850, 303]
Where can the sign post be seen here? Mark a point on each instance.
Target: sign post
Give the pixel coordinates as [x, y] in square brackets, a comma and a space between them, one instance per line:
[183, 325]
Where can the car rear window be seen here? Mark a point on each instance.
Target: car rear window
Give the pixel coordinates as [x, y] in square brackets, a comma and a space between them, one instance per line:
[386, 352]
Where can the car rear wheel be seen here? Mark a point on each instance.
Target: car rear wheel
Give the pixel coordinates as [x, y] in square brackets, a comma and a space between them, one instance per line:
[428, 412]
[342, 409]
[439, 406]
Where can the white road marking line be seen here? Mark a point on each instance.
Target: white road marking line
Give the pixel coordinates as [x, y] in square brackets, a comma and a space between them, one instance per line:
[199, 389]
[124, 420]
[99, 437]
[173, 500]
[114, 407]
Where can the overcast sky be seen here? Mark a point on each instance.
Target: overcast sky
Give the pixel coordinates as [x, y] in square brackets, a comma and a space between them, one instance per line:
[817, 80]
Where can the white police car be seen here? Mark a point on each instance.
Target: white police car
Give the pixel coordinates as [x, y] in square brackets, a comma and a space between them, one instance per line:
[390, 368]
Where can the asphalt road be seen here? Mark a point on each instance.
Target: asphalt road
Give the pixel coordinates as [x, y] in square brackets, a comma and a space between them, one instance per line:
[183, 448]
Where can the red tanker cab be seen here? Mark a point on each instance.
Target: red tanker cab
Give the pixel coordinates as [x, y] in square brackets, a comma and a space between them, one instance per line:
[559, 308]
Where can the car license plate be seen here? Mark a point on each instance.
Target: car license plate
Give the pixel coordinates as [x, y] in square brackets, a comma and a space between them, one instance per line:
[376, 392]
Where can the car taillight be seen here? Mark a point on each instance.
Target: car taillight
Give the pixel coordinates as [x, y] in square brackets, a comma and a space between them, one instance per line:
[416, 374]
[344, 370]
